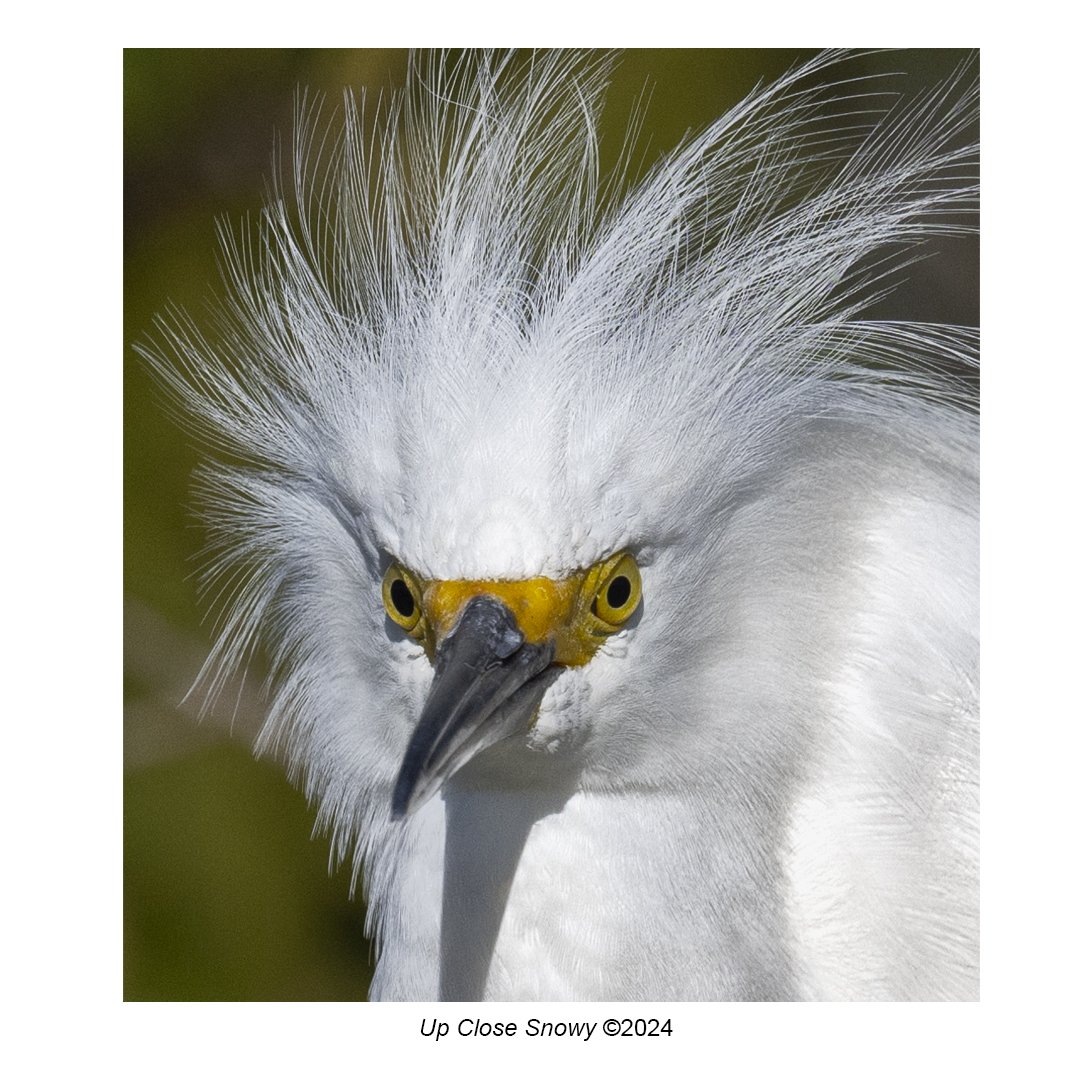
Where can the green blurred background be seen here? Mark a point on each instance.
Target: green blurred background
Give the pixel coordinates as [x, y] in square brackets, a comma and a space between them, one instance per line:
[226, 891]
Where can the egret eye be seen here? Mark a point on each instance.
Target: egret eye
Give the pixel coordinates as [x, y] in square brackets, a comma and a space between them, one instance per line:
[619, 592]
[401, 597]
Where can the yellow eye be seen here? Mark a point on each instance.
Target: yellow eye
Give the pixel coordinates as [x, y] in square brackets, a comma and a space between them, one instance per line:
[401, 594]
[619, 592]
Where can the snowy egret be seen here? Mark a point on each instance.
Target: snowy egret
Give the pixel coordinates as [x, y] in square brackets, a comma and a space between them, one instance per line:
[620, 582]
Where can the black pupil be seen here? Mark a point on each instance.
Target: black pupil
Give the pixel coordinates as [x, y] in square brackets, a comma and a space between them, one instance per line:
[618, 592]
[403, 599]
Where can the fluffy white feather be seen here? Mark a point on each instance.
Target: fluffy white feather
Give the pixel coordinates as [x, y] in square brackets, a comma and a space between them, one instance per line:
[458, 346]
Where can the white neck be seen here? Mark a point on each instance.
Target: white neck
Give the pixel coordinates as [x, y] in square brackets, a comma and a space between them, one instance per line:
[532, 904]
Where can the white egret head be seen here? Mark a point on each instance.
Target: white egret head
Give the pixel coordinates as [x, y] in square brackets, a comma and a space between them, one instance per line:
[565, 499]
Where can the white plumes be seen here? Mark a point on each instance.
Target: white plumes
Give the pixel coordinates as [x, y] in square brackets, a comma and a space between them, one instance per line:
[458, 346]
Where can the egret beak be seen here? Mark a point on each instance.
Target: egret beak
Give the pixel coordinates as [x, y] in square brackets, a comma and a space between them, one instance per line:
[488, 683]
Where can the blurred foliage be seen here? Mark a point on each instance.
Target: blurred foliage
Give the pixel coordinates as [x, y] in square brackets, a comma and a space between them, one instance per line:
[226, 893]
[229, 901]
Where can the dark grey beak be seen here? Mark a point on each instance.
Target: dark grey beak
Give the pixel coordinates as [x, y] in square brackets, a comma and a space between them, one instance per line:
[488, 683]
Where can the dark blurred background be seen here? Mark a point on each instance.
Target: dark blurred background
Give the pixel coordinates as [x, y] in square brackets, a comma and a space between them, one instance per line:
[226, 891]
